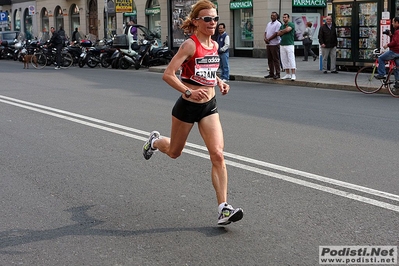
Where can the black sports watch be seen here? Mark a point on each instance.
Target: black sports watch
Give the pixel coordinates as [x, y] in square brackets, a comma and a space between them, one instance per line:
[187, 93]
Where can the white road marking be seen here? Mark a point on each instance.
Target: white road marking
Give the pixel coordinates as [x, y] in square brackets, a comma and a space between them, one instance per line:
[104, 125]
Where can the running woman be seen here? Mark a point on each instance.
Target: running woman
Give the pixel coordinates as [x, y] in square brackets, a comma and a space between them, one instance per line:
[199, 61]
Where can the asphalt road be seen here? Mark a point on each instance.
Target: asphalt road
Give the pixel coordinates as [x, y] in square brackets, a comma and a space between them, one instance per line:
[310, 167]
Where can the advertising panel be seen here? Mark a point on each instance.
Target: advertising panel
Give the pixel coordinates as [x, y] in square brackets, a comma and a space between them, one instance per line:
[180, 9]
[300, 20]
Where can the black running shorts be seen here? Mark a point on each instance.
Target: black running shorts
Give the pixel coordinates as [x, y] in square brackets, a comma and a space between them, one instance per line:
[190, 112]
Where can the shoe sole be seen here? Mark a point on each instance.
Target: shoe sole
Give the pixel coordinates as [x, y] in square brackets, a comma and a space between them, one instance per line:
[234, 218]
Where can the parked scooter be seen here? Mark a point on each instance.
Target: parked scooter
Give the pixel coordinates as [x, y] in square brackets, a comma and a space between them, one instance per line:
[127, 45]
[152, 55]
[116, 56]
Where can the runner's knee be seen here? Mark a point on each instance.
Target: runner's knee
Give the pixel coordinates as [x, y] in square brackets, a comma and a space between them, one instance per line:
[174, 154]
[217, 157]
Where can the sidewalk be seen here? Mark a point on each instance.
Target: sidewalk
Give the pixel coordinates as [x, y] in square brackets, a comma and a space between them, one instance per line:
[307, 73]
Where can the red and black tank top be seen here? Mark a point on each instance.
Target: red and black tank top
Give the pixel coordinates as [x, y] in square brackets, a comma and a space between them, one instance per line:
[201, 68]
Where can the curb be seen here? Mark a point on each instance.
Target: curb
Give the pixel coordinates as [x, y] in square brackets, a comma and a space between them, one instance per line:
[240, 77]
[302, 83]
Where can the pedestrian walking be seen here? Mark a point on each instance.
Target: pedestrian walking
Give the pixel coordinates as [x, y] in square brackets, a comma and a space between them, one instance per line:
[287, 53]
[56, 41]
[307, 42]
[198, 60]
[328, 43]
[223, 41]
[272, 41]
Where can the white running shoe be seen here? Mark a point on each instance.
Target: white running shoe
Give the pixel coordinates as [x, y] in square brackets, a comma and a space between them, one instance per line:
[287, 76]
[148, 151]
[293, 77]
[229, 214]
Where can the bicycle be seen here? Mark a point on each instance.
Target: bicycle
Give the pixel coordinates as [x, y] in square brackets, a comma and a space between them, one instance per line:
[39, 57]
[47, 56]
[366, 82]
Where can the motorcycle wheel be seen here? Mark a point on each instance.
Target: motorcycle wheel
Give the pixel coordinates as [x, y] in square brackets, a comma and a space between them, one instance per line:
[115, 63]
[124, 64]
[81, 63]
[90, 62]
[66, 60]
[137, 65]
[105, 61]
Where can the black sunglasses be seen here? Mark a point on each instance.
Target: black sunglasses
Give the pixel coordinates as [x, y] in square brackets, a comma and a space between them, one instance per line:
[209, 19]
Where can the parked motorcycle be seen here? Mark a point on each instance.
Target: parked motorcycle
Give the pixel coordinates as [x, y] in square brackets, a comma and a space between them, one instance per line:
[22, 47]
[106, 54]
[127, 46]
[75, 50]
[94, 53]
[86, 45]
[7, 50]
[152, 55]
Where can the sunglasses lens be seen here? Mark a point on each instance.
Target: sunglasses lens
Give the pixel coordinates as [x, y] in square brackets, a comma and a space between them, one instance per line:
[209, 19]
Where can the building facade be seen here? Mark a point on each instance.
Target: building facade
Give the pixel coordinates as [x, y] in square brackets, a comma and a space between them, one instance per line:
[245, 19]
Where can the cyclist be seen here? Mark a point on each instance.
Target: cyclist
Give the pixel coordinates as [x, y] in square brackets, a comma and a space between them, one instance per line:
[390, 54]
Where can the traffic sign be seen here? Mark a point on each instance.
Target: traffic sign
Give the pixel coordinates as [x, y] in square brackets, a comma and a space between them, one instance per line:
[31, 10]
[3, 16]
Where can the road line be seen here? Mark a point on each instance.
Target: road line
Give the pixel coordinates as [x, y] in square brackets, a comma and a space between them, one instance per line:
[73, 117]
[227, 154]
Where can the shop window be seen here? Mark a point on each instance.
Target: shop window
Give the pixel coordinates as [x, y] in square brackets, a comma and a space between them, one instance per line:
[243, 28]
[28, 25]
[17, 20]
[44, 25]
[75, 18]
[59, 17]
[153, 13]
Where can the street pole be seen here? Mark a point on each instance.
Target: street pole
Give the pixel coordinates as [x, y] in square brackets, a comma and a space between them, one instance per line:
[106, 18]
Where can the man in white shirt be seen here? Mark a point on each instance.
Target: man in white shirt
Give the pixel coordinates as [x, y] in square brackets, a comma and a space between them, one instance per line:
[273, 46]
